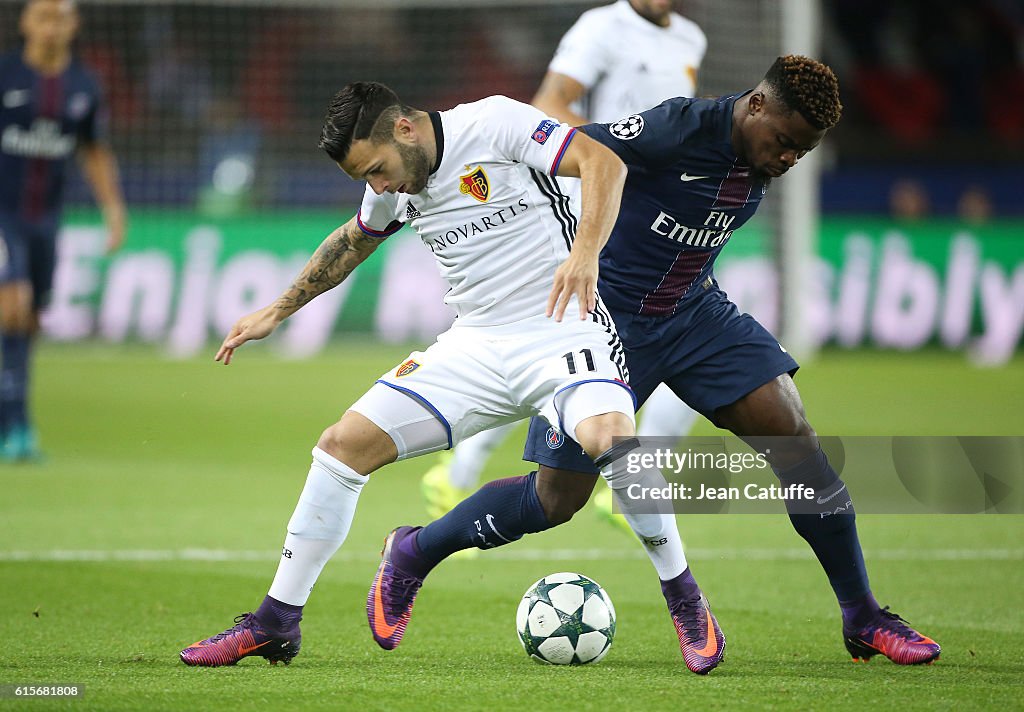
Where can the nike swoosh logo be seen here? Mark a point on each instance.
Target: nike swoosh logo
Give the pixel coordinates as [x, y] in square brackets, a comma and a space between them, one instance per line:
[490, 523]
[710, 647]
[243, 650]
[924, 641]
[380, 623]
[15, 98]
[823, 500]
[687, 178]
[878, 642]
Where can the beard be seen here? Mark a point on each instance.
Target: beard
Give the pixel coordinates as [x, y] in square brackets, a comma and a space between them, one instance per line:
[415, 165]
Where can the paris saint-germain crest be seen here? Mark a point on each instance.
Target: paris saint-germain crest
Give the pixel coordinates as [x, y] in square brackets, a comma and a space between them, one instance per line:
[475, 183]
[554, 438]
[79, 104]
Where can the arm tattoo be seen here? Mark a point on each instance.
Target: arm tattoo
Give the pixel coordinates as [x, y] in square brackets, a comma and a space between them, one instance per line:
[332, 262]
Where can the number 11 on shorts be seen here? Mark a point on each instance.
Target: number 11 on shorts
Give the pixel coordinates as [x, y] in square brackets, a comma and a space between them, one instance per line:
[570, 360]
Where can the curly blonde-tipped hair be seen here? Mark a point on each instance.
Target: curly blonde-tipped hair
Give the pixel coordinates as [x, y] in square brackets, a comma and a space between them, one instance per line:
[808, 86]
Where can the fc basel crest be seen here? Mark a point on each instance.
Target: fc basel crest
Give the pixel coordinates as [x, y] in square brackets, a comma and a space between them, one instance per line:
[475, 183]
[406, 368]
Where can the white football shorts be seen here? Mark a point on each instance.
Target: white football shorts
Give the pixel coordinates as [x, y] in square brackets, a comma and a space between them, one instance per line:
[478, 377]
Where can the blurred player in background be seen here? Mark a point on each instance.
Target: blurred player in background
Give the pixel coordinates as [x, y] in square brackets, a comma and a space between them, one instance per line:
[614, 61]
[50, 108]
[620, 59]
[476, 183]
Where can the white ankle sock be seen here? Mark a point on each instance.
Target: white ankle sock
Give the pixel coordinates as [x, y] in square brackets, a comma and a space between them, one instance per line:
[665, 416]
[652, 521]
[660, 537]
[318, 526]
[471, 456]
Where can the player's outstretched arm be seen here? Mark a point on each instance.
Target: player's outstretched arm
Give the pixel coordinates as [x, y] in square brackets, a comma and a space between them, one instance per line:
[99, 166]
[340, 253]
[602, 176]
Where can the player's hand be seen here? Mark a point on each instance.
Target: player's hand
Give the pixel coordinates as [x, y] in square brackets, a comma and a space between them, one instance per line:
[251, 327]
[117, 226]
[576, 276]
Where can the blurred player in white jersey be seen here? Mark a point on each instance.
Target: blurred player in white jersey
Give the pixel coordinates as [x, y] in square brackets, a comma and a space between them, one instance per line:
[620, 59]
[477, 184]
[616, 60]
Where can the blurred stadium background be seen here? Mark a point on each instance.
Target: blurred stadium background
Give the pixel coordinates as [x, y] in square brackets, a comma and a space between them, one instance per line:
[158, 512]
[902, 232]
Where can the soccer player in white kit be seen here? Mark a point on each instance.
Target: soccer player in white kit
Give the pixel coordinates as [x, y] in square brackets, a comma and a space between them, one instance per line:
[619, 59]
[615, 61]
[476, 184]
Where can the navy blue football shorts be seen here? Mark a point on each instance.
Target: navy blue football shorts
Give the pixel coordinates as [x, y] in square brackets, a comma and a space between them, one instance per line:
[28, 253]
[708, 353]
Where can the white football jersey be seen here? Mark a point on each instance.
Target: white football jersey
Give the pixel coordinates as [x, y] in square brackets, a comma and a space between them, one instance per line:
[627, 63]
[496, 221]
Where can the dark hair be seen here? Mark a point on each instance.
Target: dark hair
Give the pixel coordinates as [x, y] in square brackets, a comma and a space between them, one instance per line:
[808, 86]
[355, 113]
[72, 3]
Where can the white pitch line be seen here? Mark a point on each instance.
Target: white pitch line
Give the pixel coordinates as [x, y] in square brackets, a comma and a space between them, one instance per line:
[510, 554]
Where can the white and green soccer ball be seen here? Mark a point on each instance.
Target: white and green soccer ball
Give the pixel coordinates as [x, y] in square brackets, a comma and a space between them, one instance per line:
[566, 619]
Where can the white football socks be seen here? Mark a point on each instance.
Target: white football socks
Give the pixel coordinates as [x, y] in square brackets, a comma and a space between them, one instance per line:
[660, 537]
[665, 416]
[318, 526]
[652, 520]
[472, 454]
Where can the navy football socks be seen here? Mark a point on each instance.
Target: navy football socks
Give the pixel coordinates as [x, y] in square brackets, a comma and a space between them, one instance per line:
[277, 615]
[832, 531]
[858, 613]
[14, 350]
[498, 513]
[682, 589]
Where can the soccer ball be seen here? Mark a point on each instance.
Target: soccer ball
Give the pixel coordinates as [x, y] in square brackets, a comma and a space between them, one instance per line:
[566, 619]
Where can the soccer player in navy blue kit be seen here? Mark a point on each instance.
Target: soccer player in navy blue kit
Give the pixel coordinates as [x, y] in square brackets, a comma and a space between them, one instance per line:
[50, 109]
[698, 169]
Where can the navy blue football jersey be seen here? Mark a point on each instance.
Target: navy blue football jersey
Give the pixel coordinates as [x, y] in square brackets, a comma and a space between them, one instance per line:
[685, 195]
[42, 121]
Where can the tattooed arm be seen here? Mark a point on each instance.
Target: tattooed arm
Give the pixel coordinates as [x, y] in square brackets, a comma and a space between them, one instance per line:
[339, 254]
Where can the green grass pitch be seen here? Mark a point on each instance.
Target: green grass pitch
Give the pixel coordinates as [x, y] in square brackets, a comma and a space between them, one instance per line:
[155, 464]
